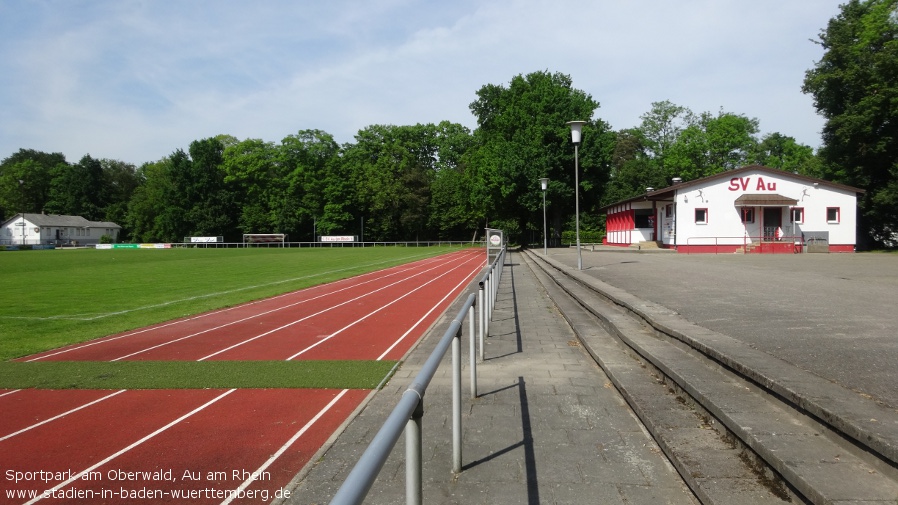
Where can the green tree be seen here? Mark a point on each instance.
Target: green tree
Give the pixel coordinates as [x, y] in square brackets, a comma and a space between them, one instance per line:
[640, 155]
[35, 169]
[855, 88]
[660, 128]
[310, 159]
[632, 169]
[252, 170]
[776, 150]
[391, 169]
[712, 144]
[121, 181]
[210, 204]
[522, 136]
[171, 224]
[147, 202]
[79, 189]
[454, 213]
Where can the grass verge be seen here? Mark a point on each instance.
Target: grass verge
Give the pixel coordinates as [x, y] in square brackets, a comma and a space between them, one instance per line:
[49, 299]
[194, 374]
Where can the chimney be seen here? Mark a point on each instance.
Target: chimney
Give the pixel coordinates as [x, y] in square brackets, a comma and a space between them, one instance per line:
[677, 180]
[649, 189]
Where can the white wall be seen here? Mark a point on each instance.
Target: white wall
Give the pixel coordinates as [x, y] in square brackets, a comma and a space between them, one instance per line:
[11, 234]
[724, 221]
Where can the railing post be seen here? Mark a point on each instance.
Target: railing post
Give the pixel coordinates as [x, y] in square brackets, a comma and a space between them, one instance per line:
[456, 402]
[472, 353]
[486, 305]
[495, 285]
[414, 464]
[408, 416]
[489, 301]
[482, 303]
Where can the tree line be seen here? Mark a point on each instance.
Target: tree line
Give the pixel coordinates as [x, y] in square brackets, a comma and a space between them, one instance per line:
[444, 181]
[426, 181]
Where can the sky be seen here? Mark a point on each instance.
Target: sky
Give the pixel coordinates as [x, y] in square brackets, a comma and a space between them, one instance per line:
[135, 80]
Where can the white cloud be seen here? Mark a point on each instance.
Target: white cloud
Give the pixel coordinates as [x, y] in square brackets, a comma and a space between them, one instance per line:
[135, 81]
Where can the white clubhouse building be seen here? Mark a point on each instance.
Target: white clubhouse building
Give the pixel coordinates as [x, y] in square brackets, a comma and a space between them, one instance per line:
[750, 209]
[53, 229]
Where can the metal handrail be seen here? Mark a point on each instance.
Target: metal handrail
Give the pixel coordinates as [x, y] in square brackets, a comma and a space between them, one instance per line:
[744, 241]
[409, 411]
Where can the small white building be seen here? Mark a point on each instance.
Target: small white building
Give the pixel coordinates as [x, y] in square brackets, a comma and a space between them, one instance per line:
[52, 229]
[750, 209]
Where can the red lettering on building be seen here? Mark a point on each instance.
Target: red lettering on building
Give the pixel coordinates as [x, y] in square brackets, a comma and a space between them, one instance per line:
[737, 183]
[740, 182]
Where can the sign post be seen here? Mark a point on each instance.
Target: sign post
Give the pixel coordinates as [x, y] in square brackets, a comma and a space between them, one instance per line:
[495, 239]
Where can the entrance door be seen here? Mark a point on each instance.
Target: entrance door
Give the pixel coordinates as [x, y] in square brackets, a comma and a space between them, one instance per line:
[773, 219]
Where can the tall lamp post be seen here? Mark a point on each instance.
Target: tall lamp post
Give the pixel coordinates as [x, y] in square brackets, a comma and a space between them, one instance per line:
[22, 196]
[576, 134]
[544, 182]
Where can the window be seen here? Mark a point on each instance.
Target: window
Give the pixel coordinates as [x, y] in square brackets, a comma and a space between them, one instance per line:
[701, 216]
[748, 214]
[668, 210]
[832, 214]
[797, 215]
[643, 218]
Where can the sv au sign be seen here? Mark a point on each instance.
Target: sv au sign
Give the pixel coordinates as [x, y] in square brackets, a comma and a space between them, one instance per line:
[737, 183]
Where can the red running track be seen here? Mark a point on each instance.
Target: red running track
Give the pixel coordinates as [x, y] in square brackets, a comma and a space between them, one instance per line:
[317, 323]
[217, 446]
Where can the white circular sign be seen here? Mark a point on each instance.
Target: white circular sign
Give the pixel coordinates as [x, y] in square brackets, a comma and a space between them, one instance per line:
[495, 240]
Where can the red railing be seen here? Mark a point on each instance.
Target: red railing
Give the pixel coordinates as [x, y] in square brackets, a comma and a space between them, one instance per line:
[786, 244]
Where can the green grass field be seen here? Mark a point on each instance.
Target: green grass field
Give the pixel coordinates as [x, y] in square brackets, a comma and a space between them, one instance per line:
[49, 299]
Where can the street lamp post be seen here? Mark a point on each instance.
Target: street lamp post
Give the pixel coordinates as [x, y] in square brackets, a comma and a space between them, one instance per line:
[576, 134]
[22, 197]
[544, 182]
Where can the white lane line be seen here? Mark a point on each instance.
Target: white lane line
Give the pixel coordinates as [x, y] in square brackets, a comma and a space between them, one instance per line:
[390, 274]
[260, 314]
[398, 269]
[315, 419]
[126, 449]
[332, 307]
[76, 409]
[180, 419]
[400, 339]
[284, 447]
[357, 321]
[112, 339]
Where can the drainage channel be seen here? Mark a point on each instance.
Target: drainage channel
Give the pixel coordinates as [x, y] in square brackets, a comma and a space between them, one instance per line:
[732, 421]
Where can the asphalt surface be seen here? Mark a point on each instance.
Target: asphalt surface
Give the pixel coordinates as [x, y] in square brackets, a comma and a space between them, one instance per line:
[835, 315]
[549, 427]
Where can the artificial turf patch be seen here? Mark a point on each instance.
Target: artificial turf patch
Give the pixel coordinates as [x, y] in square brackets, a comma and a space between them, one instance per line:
[194, 374]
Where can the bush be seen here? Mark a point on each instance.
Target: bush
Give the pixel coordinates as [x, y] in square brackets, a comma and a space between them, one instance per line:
[586, 237]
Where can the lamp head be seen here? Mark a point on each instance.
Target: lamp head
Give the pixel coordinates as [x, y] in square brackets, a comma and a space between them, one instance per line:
[576, 130]
[544, 182]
